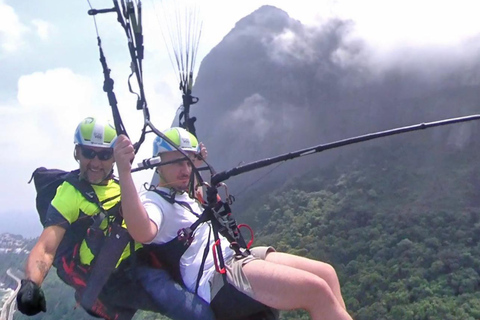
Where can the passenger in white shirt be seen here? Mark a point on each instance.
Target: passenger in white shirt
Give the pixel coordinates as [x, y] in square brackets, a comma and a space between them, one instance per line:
[278, 280]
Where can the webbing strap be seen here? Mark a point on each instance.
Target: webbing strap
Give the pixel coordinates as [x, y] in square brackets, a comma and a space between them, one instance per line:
[84, 187]
[108, 88]
[215, 226]
[105, 263]
[202, 265]
[171, 199]
[87, 191]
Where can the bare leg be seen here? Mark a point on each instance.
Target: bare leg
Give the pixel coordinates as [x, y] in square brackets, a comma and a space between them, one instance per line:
[321, 269]
[283, 287]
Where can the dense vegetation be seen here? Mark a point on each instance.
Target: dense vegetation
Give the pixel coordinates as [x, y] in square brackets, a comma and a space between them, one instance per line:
[399, 222]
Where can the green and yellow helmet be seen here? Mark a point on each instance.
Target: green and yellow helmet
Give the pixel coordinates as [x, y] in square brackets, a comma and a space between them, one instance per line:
[96, 133]
[180, 137]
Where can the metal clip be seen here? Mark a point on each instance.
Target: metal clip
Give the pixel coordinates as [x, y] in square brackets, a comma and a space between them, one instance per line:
[228, 197]
[185, 235]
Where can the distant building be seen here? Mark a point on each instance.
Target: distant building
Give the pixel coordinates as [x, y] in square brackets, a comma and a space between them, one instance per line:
[10, 243]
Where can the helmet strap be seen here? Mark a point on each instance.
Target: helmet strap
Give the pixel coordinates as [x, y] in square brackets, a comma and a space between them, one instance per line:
[75, 154]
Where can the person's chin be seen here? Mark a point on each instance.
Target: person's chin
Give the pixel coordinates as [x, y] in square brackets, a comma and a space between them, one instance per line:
[181, 187]
[95, 178]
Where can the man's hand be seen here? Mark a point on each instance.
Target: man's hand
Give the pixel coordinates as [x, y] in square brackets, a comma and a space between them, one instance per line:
[203, 151]
[201, 155]
[30, 298]
[124, 154]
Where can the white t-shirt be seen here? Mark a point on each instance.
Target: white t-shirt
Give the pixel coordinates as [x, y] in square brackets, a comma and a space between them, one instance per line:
[169, 220]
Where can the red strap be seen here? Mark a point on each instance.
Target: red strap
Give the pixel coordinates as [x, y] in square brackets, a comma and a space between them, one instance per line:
[243, 225]
[214, 249]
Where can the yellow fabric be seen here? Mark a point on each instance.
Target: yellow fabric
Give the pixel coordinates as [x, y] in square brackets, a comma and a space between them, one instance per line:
[70, 202]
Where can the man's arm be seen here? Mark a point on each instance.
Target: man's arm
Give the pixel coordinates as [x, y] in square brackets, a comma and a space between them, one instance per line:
[30, 297]
[139, 225]
[41, 257]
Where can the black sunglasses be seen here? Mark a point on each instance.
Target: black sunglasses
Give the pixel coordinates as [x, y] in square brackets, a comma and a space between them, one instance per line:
[102, 155]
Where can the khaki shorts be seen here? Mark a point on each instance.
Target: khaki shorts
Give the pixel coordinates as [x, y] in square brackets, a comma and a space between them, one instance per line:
[235, 275]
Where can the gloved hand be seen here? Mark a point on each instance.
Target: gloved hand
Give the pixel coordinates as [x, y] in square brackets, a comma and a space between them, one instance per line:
[30, 298]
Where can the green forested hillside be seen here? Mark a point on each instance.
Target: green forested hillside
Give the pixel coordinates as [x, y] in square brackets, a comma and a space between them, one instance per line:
[399, 223]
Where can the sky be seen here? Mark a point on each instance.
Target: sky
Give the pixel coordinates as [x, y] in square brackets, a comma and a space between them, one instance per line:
[51, 77]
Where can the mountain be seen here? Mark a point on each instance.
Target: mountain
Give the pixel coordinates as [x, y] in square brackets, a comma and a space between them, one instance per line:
[398, 217]
[274, 85]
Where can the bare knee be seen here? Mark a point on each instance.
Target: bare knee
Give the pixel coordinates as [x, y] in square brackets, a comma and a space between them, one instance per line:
[329, 273]
[322, 303]
[318, 293]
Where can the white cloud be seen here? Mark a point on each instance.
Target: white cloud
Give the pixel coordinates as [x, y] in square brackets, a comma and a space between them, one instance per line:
[253, 113]
[38, 128]
[285, 43]
[55, 101]
[42, 28]
[389, 24]
[56, 89]
[11, 29]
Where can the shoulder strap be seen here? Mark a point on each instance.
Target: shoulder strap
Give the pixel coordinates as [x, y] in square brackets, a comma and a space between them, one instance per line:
[83, 186]
[88, 193]
[171, 199]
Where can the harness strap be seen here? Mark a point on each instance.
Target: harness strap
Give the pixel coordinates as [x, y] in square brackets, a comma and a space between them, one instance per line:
[105, 263]
[185, 233]
[216, 227]
[95, 234]
[171, 199]
[202, 265]
[84, 187]
[108, 88]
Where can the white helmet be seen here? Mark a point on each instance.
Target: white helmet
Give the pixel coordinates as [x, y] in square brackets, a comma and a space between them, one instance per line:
[180, 137]
[95, 133]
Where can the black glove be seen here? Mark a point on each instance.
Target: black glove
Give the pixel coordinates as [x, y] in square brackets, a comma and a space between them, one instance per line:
[30, 298]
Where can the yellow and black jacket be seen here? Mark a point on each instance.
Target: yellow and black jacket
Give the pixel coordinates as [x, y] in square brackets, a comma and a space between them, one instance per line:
[72, 211]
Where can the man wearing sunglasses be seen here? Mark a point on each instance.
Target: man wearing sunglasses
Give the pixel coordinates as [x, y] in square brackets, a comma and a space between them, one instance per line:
[95, 163]
[73, 256]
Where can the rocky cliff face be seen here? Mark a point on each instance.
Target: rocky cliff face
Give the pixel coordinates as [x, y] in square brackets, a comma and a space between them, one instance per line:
[273, 85]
